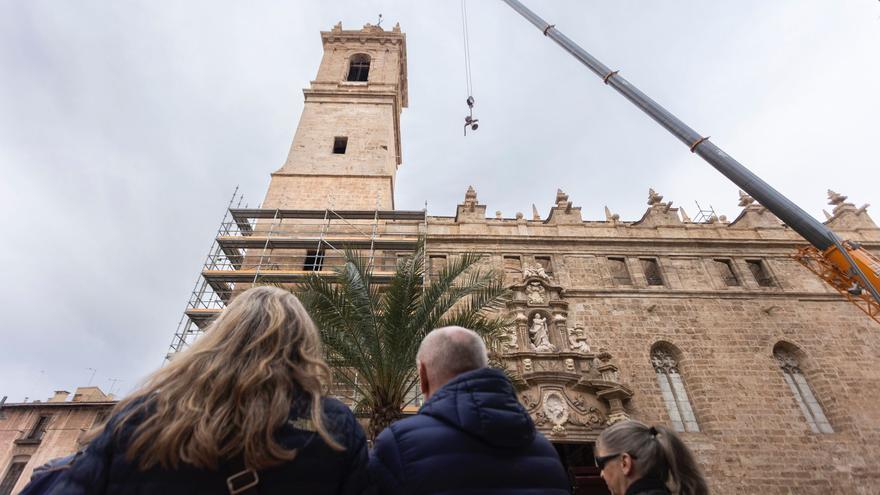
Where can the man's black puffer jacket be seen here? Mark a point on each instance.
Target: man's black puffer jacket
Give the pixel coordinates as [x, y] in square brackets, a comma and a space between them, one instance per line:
[471, 437]
[317, 469]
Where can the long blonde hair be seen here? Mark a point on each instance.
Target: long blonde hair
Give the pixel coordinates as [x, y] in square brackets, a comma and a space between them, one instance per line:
[659, 453]
[230, 392]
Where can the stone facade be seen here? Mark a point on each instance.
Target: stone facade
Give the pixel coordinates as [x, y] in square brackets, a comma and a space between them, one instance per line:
[32, 433]
[612, 292]
[662, 319]
[710, 327]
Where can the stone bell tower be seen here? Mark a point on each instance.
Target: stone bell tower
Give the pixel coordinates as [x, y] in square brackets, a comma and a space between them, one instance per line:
[346, 149]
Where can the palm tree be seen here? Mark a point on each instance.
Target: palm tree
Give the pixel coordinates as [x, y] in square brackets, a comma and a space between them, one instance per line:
[372, 329]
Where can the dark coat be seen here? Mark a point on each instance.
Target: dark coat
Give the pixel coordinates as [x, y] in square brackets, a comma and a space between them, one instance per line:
[647, 486]
[472, 436]
[317, 469]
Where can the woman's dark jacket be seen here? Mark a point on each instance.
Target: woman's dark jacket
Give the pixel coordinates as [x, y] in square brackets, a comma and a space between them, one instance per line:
[472, 436]
[316, 469]
[647, 486]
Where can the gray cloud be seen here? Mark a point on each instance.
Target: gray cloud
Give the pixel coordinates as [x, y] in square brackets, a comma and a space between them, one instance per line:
[125, 126]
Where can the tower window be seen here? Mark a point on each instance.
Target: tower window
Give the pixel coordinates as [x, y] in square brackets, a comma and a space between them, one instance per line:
[619, 271]
[339, 145]
[359, 69]
[801, 391]
[314, 260]
[725, 269]
[512, 265]
[672, 389]
[759, 271]
[652, 271]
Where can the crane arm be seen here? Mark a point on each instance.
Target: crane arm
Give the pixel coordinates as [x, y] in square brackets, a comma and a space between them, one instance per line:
[858, 266]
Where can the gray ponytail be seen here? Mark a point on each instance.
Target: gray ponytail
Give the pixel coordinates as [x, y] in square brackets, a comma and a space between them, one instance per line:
[658, 453]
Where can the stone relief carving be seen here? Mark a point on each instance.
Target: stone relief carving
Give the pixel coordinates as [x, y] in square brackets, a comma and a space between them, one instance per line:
[569, 365]
[535, 271]
[577, 340]
[535, 293]
[557, 408]
[528, 401]
[540, 335]
[664, 361]
[556, 411]
[508, 340]
[787, 361]
[527, 365]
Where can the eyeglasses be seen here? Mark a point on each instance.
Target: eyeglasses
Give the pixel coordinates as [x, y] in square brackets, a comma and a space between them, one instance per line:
[602, 460]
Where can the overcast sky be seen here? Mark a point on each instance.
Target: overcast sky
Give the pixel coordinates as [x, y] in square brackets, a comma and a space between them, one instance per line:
[126, 125]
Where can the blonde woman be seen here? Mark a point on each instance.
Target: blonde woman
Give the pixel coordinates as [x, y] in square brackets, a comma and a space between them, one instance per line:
[241, 411]
[637, 459]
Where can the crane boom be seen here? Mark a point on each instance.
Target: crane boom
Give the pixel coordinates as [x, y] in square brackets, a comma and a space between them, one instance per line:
[849, 261]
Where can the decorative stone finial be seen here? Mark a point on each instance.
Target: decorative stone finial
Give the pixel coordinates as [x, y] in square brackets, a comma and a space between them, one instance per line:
[745, 199]
[396, 28]
[470, 197]
[338, 26]
[835, 199]
[611, 217]
[519, 215]
[561, 198]
[535, 214]
[684, 215]
[498, 214]
[653, 197]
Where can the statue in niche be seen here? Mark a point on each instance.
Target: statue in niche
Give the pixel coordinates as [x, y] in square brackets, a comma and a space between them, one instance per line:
[540, 335]
[535, 292]
[535, 271]
[577, 340]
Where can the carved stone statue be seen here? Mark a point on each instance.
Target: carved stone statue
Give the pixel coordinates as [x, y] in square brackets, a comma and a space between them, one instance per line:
[535, 293]
[509, 341]
[577, 340]
[535, 271]
[540, 335]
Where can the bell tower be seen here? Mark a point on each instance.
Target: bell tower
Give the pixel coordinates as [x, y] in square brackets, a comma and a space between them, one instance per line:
[346, 149]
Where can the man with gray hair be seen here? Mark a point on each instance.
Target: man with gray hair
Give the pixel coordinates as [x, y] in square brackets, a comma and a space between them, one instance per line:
[469, 434]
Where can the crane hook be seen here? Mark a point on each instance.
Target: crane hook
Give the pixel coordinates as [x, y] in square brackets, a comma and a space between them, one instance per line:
[469, 120]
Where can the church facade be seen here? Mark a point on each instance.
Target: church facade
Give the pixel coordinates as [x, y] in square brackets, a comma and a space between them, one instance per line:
[707, 326]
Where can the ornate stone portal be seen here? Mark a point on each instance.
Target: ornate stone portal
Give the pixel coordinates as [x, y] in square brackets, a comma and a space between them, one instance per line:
[571, 392]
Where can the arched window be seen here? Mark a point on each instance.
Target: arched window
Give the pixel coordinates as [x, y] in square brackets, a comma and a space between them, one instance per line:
[803, 394]
[672, 387]
[359, 68]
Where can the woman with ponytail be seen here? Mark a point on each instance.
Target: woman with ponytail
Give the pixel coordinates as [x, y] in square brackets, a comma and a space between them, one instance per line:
[637, 459]
[241, 411]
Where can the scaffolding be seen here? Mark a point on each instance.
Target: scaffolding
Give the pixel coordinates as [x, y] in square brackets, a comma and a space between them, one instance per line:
[284, 246]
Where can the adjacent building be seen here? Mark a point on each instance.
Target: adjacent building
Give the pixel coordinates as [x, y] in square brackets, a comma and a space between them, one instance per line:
[32, 433]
